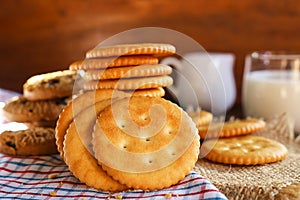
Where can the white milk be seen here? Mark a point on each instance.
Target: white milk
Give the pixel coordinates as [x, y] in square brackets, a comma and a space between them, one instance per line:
[267, 93]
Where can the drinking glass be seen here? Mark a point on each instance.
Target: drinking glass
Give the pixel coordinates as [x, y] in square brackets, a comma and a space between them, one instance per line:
[271, 85]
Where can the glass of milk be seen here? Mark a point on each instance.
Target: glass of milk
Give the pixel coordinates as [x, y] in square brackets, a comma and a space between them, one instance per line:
[271, 85]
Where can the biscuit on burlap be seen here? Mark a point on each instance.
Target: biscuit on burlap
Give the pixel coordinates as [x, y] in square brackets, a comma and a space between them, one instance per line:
[78, 151]
[128, 72]
[244, 150]
[201, 117]
[49, 85]
[33, 141]
[103, 63]
[156, 49]
[231, 128]
[260, 181]
[145, 143]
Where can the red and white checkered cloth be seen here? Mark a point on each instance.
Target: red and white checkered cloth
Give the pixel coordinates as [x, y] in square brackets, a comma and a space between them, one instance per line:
[30, 178]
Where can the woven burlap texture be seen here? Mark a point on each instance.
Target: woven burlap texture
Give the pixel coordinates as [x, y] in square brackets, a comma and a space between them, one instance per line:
[263, 181]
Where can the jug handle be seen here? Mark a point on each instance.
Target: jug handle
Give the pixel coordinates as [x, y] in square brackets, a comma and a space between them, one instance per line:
[176, 64]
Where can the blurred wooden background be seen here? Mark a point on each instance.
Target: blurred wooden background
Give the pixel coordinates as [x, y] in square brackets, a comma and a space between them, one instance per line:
[38, 36]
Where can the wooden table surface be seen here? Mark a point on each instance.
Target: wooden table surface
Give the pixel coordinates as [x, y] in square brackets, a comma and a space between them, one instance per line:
[40, 36]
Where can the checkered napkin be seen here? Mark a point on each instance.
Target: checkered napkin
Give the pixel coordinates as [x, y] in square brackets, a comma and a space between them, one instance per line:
[48, 177]
[31, 178]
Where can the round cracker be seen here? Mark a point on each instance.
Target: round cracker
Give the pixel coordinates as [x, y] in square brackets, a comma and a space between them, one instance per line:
[103, 63]
[152, 92]
[77, 105]
[201, 117]
[132, 49]
[128, 72]
[231, 128]
[83, 165]
[162, 178]
[155, 135]
[130, 84]
[244, 150]
[82, 102]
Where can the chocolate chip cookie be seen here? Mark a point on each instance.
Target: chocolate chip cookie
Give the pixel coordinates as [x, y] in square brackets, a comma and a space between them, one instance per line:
[20, 109]
[50, 85]
[35, 141]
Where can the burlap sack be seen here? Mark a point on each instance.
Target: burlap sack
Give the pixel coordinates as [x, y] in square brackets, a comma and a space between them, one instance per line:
[279, 180]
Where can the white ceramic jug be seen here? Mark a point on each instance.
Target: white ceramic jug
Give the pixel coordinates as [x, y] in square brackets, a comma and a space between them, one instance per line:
[204, 80]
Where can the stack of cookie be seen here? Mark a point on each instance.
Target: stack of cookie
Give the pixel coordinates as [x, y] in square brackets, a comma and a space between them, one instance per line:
[44, 97]
[127, 67]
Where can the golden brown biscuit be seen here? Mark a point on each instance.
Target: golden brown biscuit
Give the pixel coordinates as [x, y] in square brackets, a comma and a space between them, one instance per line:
[103, 63]
[152, 92]
[51, 85]
[78, 152]
[33, 141]
[244, 150]
[201, 117]
[145, 143]
[128, 72]
[19, 109]
[231, 128]
[80, 103]
[77, 105]
[43, 123]
[132, 49]
[130, 84]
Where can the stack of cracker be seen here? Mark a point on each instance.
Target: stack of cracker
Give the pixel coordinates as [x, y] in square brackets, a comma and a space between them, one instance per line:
[119, 134]
[44, 97]
[128, 68]
[153, 146]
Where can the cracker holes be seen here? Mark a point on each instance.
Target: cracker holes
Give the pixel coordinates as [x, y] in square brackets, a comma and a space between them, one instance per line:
[122, 126]
[169, 131]
[249, 141]
[225, 149]
[145, 118]
[254, 148]
[147, 139]
[124, 146]
[245, 150]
